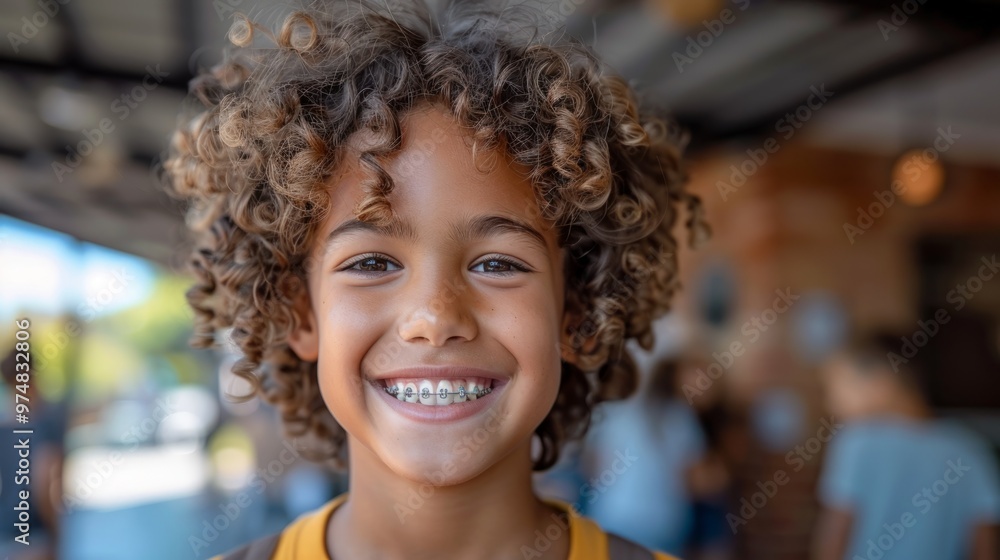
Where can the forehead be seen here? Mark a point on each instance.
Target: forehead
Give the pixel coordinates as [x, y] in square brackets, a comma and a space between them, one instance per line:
[436, 174]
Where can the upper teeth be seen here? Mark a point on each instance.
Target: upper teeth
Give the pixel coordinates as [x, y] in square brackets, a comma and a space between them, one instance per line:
[439, 392]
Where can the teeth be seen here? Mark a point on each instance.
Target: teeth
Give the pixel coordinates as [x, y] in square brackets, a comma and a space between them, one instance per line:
[439, 392]
[427, 392]
[443, 392]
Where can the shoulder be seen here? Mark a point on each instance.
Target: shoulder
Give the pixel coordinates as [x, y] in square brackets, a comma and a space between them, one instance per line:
[959, 434]
[855, 443]
[589, 542]
[303, 537]
[964, 444]
[860, 435]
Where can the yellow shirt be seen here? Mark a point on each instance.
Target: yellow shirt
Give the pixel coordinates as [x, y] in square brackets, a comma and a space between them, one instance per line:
[306, 536]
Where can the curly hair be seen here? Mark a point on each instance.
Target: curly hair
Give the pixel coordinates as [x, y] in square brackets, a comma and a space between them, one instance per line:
[271, 125]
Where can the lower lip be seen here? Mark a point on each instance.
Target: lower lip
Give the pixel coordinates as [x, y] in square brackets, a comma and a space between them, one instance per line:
[436, 414]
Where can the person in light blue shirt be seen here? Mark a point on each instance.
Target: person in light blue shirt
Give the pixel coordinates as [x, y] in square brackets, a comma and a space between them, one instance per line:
[896, 482]
[640, 453]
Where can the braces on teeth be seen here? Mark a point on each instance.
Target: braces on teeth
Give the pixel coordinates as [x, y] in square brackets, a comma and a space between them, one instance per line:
[426, 393]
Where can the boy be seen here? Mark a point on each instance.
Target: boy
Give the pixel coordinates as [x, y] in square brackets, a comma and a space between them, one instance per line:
[431, 240]
[896, 482]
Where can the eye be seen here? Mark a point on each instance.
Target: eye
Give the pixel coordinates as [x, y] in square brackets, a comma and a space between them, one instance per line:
[499, 265]
[371, 264]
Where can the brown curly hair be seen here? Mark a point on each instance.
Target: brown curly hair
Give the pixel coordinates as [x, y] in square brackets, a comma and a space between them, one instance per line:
[269, 130]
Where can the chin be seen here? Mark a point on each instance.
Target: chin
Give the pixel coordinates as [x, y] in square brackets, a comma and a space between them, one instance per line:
[435, 468]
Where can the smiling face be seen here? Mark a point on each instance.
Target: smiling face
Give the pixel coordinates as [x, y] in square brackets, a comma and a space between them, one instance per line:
[469, 276]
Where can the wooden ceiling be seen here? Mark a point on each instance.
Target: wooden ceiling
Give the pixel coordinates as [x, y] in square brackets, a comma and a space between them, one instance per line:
[756, 63]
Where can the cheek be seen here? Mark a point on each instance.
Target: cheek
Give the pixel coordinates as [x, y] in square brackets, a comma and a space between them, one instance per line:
[528, 325]
[349, 327]
[350, 314]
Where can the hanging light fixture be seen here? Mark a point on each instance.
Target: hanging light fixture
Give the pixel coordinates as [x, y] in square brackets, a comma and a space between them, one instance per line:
[918, 176]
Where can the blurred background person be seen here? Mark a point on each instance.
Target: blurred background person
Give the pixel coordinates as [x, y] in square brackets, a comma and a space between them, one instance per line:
[638, 460]
[44, 474]
[897, 482]
[710, 480]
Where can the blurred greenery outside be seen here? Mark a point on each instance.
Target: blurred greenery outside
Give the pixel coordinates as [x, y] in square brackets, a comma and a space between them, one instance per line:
[139, 349]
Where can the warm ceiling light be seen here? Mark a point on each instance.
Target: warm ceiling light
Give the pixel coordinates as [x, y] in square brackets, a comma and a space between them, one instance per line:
[920, 176]
[689, 13]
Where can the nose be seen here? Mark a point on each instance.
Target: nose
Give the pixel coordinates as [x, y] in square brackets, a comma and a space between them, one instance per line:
[438, 312]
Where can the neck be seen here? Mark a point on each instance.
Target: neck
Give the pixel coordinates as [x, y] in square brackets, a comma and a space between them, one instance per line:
[495, 511]
[910, 406]
[907, 407]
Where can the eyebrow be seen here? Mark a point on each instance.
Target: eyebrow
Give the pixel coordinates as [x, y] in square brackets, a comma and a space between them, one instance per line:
[482, 227]
[479, 227]
[395, 229]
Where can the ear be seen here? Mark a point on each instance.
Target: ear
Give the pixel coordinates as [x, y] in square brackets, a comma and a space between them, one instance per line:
[304, 338]
[577, 336]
